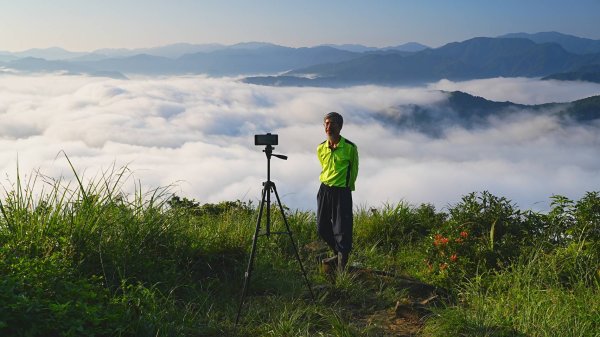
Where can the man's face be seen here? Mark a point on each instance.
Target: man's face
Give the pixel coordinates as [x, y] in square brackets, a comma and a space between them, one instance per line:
[332, 129]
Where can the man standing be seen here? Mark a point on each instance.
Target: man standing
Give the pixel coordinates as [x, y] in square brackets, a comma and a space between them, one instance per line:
[339, 168]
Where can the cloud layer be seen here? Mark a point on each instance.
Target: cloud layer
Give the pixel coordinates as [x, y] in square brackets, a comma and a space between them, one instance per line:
[197, 133]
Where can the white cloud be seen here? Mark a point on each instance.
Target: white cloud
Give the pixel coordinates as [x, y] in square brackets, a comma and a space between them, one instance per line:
[197, 133]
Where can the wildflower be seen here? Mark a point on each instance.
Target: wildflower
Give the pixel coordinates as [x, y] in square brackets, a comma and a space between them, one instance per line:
[464, 234]
[443, 266]
[454, 257]
[438, 240]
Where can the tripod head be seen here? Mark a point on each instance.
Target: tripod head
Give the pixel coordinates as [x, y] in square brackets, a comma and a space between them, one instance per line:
[269, 152]
[268, 140]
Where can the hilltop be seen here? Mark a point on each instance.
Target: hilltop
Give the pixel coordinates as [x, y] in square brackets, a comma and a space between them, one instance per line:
[470, 112]
[92, 262]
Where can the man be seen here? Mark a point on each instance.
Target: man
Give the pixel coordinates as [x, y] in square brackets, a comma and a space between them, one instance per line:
[339, 168]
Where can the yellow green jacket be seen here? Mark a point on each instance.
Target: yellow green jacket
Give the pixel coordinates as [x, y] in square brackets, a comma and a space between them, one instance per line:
[339, 167]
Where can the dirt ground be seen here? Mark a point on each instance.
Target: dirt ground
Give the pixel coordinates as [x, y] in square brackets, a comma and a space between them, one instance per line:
[406, 318]
[408, 315]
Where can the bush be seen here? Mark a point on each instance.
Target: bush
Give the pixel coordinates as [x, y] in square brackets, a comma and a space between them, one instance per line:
[483, 232]
[570, 221]
[195, 208]
[395, 225]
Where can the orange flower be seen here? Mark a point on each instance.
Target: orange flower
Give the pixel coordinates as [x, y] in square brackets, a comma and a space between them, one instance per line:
[453, 257]
[464, 234]
[443, 266]
[439, 240]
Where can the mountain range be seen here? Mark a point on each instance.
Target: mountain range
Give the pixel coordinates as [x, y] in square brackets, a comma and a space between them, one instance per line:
[468, 111]
[211, 59]
[472, 59]
[549, 55]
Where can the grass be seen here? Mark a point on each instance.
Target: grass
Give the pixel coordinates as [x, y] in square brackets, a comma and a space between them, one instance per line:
[86, 259]
[530, 298]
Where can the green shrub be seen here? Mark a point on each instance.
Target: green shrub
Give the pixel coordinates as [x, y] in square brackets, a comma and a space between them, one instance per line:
[393, 226]
[483, 232]
[574, 221]
[197, 209]
[587, 214]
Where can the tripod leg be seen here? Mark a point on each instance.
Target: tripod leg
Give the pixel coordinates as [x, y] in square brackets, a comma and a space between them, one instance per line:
[289, 232]
[251, 259]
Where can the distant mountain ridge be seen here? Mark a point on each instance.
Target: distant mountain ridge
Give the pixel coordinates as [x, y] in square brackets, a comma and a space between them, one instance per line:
[471, 59]
[589, 73]
[262, 59]
[410, 47]
[468, 111]
[51, 54]
[240, 59]
[527, 55]
[570, 43]
[177, 50]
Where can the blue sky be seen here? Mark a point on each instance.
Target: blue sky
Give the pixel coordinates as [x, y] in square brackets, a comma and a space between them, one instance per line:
[93, 24]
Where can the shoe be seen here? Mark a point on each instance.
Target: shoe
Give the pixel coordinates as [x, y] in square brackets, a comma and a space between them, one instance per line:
[329, 265]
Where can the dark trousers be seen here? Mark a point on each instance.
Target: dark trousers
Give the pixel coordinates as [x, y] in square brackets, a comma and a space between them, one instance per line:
[334, 217]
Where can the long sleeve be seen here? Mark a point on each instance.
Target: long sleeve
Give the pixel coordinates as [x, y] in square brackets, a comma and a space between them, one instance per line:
[354, 168]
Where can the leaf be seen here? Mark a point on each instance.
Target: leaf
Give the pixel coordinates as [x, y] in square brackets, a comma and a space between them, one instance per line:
[492, 232]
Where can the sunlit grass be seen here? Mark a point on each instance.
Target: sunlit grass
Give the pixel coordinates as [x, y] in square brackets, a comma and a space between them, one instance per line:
[85, 258]
[533, 297]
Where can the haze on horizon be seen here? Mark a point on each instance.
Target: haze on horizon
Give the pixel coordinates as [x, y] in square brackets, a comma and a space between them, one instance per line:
[94, 24]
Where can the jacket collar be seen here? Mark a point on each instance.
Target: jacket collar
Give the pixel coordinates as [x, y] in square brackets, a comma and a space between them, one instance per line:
[340, 144]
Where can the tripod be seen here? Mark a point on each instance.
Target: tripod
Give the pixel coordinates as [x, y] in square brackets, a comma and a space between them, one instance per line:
[268, 188]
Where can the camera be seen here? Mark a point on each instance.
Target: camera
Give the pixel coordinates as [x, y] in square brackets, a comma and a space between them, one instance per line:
[267, 139]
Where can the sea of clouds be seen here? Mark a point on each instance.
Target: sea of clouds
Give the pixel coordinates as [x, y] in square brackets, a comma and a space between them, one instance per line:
[195, 134]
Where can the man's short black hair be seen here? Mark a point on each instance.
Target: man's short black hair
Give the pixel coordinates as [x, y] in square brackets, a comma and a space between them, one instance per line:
[335, 117]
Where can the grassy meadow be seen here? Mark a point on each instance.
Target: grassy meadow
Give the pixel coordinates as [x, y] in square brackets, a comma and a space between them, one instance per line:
[85, 259]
